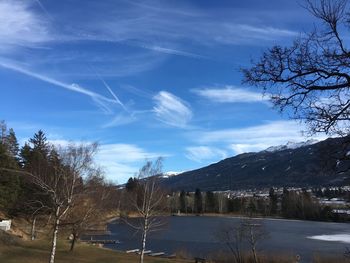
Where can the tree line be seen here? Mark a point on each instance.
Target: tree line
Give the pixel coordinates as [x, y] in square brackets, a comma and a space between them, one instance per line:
[56, 186]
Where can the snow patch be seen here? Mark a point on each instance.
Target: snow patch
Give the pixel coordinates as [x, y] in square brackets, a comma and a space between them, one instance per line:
[291, 145]
[170, 174]
[338, 162]
[343, 238]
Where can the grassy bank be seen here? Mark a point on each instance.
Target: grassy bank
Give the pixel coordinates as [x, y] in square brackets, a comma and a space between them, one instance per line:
[38, 252]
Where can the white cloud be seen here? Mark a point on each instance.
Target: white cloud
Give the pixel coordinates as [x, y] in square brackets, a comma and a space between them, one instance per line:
[230, 94]
[20, 26]
[255, 138]
[121, 161]
[171, 110]
[204, 153]
[239, 148]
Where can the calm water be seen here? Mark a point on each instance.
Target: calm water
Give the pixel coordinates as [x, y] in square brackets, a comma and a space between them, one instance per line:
[196, 235]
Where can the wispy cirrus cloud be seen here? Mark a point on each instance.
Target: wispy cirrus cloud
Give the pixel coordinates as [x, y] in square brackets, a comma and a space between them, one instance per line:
[230, 94]
[238, 33]
[20, 26]
[120, 120]
[171, 51]
[176, 29]
[153, 27]
[171, 110]
[204, 153]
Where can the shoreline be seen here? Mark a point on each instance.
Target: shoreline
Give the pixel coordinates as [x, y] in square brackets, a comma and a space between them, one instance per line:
[256, 217]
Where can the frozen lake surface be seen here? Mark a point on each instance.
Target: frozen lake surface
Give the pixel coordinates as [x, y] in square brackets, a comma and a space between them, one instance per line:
[196, 235]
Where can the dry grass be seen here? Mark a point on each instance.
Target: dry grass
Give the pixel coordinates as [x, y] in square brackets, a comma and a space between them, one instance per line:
[325, 259]
[38, 251]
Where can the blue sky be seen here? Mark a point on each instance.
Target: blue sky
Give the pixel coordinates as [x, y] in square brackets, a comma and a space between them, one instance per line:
[144, 78]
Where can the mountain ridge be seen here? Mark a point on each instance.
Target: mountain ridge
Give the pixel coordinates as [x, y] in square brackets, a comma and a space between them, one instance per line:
[310, 164]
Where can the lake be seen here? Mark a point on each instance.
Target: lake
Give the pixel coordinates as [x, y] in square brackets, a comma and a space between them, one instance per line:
[197, 236]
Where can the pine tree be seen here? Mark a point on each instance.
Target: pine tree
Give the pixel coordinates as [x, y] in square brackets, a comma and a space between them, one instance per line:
[24, 155]
[285, 203]
[12, 143]
[40, 143]
[9, 181]
[131, 185]
[3, 131]
[198, 202]
[273, 201]
[183, 204]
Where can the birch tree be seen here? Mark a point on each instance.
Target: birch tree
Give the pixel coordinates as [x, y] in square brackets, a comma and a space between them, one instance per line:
[61, 182]
[149, 202]
[89, 207]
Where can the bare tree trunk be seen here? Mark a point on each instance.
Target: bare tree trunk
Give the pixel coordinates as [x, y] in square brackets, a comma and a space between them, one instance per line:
[54, 237]
[33, 228]
[254, 255]
[252, 241]
[144, 236]
[73, 241]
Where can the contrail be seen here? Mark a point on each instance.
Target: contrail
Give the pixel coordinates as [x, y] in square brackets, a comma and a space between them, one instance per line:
[117, 100]
[43, 9]
[71, 87]
[114, 96]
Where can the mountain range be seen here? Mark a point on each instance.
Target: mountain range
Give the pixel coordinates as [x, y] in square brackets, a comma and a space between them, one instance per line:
[306, 164]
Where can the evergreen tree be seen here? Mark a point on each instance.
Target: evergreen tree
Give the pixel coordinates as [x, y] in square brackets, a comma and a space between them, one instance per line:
[198, 202]
[9, 179]
[40, 143]
[183, 205]
[12, 143]
[273, 201]
[131, 184]
[285, 202]
[3, 132]
[25, 154]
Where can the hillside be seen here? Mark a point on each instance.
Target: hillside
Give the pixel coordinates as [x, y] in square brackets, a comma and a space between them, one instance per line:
[322, 163]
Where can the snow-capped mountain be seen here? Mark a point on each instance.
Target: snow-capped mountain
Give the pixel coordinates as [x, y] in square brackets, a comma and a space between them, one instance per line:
[301, 164]
[170, 174]
[291, 145]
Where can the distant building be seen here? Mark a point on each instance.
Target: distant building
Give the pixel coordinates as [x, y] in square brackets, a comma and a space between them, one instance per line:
[5, 225]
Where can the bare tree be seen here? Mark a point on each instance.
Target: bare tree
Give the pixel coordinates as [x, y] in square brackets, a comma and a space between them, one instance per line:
[62, 180]
[248, 232]
[148, 201]
[89, 207]
[254, 232]
[312, 76]
[347, 253]
[233, 238]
